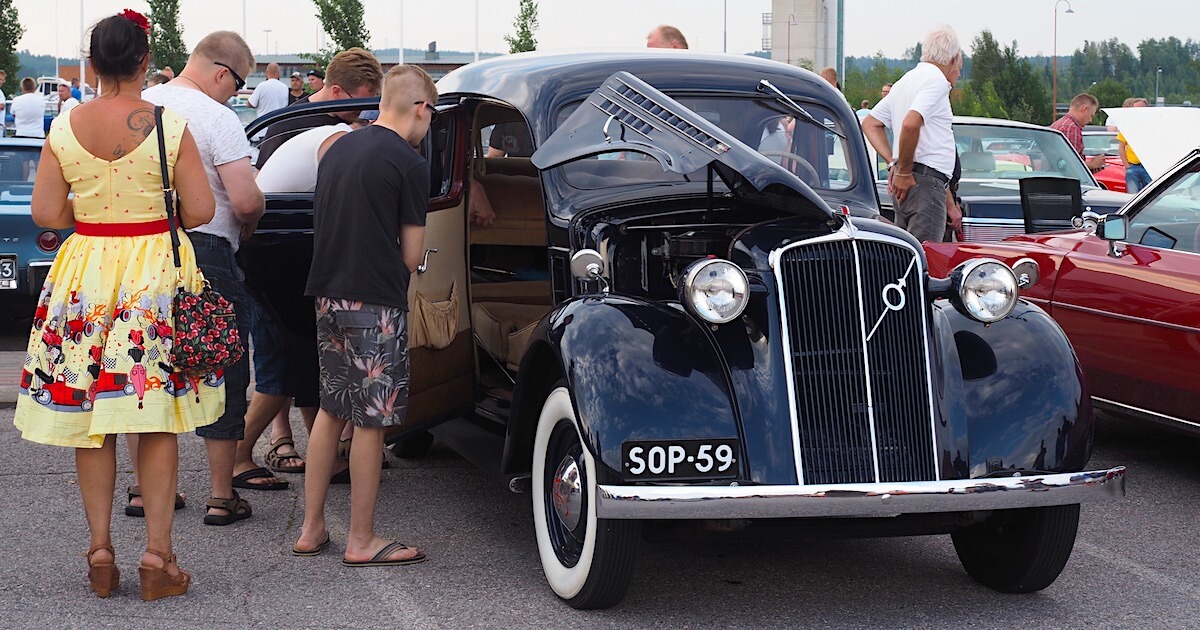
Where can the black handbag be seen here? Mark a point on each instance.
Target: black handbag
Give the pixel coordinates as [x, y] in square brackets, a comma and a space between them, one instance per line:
[206, 338]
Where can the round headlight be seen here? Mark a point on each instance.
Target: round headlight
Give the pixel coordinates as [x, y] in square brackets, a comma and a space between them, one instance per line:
[987, 289]
[714, 290]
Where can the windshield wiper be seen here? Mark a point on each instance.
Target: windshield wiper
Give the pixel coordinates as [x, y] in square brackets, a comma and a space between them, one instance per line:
[765, 86]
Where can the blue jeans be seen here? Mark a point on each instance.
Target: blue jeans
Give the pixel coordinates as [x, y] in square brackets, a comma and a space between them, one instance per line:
[270, 358]
[1136, 178]
[214, 255]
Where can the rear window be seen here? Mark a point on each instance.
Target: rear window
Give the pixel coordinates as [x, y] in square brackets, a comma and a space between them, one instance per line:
[18, 168]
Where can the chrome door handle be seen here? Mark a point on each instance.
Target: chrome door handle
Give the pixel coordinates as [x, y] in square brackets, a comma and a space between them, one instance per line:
[424, 266]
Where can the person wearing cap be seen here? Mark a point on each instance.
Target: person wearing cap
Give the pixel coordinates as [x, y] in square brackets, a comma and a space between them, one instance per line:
[296, 89]
[316, 81]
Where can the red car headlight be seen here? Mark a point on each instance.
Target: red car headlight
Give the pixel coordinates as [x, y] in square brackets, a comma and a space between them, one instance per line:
[48, 241]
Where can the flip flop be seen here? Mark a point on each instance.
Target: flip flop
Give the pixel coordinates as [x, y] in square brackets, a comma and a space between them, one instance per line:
[139, 511]
[379, 559]
[243, 480]
[315, 551]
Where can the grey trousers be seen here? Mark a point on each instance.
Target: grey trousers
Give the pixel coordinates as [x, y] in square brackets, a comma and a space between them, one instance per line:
[923, 211]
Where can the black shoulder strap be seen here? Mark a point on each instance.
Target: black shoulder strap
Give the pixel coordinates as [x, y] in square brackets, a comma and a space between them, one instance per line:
[168, 192]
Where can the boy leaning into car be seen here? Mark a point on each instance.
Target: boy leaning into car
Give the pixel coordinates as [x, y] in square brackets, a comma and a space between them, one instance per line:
[370, 196]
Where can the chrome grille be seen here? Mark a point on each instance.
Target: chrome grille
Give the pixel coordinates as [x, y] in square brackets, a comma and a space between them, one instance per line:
[858, 367]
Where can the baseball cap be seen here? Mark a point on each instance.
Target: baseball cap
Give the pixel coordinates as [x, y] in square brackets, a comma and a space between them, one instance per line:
[316, 73]
[297, 75]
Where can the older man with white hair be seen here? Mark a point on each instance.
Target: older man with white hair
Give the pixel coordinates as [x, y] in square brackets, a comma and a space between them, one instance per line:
[922, 155]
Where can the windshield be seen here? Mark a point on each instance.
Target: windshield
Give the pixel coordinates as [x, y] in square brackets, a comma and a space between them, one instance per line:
[989, 153]
[818, 157]
[18, 168]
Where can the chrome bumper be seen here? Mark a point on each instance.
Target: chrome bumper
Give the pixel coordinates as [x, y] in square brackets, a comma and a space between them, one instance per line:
[859, 500]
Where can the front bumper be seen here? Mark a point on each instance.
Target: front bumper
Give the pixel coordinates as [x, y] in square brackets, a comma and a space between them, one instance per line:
[859, 500]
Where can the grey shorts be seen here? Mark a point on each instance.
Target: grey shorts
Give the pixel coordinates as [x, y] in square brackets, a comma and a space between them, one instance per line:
[923, 211]
[363, 350]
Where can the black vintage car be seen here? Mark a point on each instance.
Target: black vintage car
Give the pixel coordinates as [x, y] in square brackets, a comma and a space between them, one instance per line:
[687, 308]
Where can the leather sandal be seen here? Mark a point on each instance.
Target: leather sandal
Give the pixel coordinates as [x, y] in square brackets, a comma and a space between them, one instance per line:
[139, 511]
[278, 462]
[238, 508]
[104, 577]
[157, 583]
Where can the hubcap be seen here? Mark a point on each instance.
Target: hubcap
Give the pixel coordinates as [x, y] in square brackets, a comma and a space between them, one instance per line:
[567, 492]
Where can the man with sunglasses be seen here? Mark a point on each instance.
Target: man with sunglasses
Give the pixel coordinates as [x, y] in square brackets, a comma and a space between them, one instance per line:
[214, 73]
[368, 235]
[353, 73]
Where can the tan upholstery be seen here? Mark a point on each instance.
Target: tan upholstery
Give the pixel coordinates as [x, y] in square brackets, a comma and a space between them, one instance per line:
[505, 329]
[516, 292]
[515, 192]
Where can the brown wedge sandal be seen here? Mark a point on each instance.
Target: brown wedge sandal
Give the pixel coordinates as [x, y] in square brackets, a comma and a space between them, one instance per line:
[157, 583]
[103, 576]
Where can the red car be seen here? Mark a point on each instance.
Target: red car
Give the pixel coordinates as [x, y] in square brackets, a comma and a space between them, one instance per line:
[1126, 290]
[1103, 141]
[57, 393]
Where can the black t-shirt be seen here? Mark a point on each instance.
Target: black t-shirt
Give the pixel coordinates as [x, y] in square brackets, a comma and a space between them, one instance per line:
[512, 138]
[285, 130]
[369, 183]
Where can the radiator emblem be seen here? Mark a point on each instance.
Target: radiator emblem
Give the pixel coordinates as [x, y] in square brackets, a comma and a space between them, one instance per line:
[893, 297]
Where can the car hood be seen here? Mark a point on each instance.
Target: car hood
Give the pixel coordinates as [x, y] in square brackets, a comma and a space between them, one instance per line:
[626, 114]
[1161, 136]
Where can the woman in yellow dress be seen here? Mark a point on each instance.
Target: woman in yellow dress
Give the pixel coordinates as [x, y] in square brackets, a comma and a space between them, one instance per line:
[99, 360]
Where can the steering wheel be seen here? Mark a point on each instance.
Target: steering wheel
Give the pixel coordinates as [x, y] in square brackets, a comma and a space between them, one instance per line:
[805, 171]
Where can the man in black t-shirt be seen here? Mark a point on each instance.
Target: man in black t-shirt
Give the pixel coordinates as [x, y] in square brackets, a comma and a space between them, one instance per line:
[368, 234]
[510, 139]
[353, 73]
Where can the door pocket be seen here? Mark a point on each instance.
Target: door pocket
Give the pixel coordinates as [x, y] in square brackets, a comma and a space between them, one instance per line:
[434, 323]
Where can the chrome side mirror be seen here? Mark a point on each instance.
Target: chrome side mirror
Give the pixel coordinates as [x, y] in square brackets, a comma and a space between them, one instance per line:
[1027, 272]
[1114, 228]
[587, 264]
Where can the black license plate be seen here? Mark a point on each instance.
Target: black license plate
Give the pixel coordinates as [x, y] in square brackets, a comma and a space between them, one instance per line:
[680, 460]
[8, 271]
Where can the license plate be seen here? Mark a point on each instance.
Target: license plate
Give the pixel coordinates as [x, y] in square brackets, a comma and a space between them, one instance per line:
[680, 460]
[8, 271]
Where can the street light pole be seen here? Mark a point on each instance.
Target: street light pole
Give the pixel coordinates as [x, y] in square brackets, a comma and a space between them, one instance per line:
[1054, 73]
[1157, 75]
[791, 21]
[725, 27]
[267, 43]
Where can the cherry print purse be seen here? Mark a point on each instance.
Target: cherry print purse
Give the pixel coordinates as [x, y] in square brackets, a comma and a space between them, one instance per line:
[206, 335]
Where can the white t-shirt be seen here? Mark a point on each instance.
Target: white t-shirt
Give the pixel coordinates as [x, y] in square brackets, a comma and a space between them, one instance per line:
[67, 105]
[925, 90]
[293, 166]
[221, 139]
[268, 96]
[29, 111]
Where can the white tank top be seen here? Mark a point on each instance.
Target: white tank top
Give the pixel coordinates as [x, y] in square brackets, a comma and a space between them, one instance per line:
[293, 166]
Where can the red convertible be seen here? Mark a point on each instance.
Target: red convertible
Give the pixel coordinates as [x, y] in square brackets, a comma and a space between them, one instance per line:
[1126, 290]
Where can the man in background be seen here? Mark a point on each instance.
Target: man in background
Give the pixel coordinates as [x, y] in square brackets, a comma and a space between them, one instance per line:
[3, 99]
[316, 81]
[664, 36]
[65, 100]
[296, 88]
[1136, 177]
[28, 111]
[269, 95]
[883, 91]
[1083, 108]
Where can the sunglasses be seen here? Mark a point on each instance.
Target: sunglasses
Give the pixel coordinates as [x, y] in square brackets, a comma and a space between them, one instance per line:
[433, 112]
[238, 81]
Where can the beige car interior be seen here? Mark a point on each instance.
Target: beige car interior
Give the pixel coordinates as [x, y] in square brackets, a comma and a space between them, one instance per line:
[505, 308]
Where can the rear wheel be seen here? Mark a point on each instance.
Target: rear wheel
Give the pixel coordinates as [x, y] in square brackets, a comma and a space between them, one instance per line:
[587, 561]
[1019, 551]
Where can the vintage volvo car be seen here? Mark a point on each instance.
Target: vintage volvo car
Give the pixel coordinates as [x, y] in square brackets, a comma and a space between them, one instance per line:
[26, 250]
[686, 307]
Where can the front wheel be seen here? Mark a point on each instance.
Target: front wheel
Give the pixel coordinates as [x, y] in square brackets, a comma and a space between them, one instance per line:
[587, 561]
[1019, 551]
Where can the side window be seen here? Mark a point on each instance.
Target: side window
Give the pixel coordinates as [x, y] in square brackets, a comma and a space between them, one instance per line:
[1171, 220]
[438, 150]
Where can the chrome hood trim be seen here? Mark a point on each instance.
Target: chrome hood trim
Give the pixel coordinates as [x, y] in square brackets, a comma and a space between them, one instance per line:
[859, 500]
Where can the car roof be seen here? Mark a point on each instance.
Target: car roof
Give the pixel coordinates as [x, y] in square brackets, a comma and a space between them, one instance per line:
[22, 142]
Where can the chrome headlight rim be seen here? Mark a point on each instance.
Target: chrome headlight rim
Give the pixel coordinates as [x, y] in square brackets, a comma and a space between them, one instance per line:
[688, 282]
[962, 277]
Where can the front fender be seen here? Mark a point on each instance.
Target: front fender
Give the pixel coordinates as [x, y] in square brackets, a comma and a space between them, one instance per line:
[1012, 395]
[636, 370]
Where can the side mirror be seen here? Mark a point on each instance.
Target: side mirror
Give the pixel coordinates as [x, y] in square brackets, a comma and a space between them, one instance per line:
[1027, 272]
[586, 264]
[1112, 228]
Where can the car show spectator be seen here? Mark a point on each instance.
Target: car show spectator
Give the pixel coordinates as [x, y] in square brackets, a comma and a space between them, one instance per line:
[112, 348]
[65, 100]
[665, 36]
[864, 108]
[29, 111]
[1083, 109]
[371, 194]
[831, 76]
[883, 91]
[158, 79]
[295, 88]
[1136, 177]
[167, 71]
[269, 95]
[3, 99]
[316, 81]
[921, 158]
[212, 76]
[75, 91]
[353, 73]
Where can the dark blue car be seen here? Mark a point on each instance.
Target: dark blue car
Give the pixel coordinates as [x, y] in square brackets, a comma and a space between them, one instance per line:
[26, 250]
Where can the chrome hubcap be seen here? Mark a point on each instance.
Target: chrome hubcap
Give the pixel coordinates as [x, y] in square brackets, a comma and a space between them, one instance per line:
[567, 492]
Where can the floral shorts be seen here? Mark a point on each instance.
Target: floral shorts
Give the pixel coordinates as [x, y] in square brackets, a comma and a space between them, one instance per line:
[363, 352]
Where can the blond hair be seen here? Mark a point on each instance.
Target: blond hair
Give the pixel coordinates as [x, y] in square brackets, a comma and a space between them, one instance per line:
[354, 68]
[225, 47]
[1084, 100]
[404, 85]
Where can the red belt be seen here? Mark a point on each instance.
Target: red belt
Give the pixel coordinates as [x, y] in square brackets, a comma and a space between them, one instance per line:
[122, 229]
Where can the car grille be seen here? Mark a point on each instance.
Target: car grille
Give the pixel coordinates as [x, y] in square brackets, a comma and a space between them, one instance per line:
[983, 232]
[862, 416]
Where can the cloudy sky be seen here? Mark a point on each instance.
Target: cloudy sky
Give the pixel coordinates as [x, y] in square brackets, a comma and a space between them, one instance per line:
[871, 25]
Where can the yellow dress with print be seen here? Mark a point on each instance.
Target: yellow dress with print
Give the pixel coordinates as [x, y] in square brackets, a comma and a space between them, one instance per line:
[99, 353]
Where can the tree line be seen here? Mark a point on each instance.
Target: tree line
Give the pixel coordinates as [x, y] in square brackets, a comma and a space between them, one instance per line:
[999, 82]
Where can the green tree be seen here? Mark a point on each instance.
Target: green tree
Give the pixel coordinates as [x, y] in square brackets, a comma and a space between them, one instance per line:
[1110, 93]
[526, 23]
[987, 62]
[166, 35]
[343, 22]
[10, 33]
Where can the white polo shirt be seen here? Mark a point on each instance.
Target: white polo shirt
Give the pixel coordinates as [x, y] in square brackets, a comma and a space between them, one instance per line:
[29, 115]
[925, 90]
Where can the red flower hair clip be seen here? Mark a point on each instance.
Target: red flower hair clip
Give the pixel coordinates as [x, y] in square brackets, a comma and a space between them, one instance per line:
[137, 18]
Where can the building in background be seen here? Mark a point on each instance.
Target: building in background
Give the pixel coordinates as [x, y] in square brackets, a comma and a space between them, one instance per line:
[806, 33]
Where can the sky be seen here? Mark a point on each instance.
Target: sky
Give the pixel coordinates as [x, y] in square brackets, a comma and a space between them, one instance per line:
[889, 26]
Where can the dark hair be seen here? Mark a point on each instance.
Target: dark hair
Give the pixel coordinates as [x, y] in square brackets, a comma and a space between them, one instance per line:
[117, 47]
